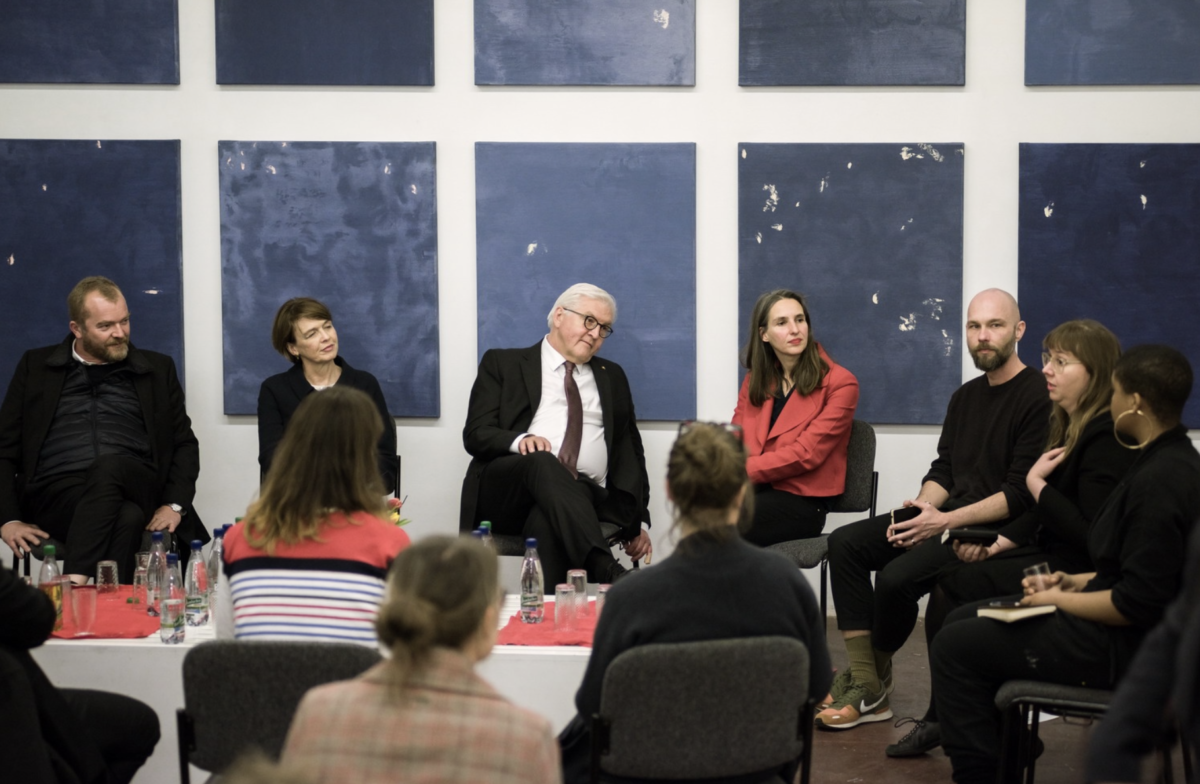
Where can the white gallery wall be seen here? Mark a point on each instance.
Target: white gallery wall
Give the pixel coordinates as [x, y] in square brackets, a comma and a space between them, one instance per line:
[991, 115]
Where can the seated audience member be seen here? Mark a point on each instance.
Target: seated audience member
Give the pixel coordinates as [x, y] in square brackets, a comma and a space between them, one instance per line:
[50, 735]
[713, 587]
[95, 444]
[994, 431]
[303, 333]
[795, 407]
[1158, 694]
[1069, 484]
[318, 531]
[1137, 543]
[424, 715]
[555, 444]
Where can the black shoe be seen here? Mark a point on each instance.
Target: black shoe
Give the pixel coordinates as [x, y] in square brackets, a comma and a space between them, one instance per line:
[924, 736]
[615, 573]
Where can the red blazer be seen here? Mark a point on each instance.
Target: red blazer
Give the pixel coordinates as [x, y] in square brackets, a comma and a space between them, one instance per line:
[805, 453]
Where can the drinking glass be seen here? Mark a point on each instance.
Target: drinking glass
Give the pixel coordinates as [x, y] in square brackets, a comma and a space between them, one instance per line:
[578, 579]
[141, 577]
[601, 595]
[107, 578]
[564, 607]
[1038, 574]
[83, 609]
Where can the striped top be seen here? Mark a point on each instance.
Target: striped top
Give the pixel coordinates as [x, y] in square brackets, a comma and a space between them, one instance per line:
[327, 589]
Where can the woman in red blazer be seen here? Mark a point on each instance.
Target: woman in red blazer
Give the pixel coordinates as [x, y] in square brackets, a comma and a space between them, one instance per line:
[795, 409]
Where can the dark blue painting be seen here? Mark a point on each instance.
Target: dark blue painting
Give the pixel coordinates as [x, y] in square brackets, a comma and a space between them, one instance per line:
[344, 42]
[97, 42]
[605, 42]
[872, 235]
[1110, 232]
[853, 42]
[353, 224]
[70, 209]
[620, 216]
[1090, 42]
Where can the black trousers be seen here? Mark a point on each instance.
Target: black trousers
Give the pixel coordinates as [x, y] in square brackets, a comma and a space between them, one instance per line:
[55, 735]
[889, 610]
[972, 657]
[780, 516]
[98, 514]
[535, 495]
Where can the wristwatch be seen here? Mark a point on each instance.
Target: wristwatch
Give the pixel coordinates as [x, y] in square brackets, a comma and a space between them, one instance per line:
[177, 509]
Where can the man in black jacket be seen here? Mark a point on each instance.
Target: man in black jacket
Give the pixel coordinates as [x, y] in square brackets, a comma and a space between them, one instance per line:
[95, 443]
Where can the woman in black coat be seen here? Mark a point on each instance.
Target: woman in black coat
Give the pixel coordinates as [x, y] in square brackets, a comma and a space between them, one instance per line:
[303, 333]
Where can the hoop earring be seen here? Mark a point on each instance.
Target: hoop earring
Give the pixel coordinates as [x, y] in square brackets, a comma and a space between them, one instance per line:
[1117, 434]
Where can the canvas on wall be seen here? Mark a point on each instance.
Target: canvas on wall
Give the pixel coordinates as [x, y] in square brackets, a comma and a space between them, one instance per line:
[852, 42]
[72, 209]
[620, 216]
[585, 42]
[98, 42]
[318, 42]
[1109, 232]
[872, 236]
[352, 224]
[1085, 42]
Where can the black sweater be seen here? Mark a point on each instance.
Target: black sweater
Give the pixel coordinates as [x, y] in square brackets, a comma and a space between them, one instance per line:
[991, 437]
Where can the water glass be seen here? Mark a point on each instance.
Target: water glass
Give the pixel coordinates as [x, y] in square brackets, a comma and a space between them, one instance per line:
[83, 609]
[564, 607]
[578, 579]
[141, 577]
[1037, 575]
[107, 578]
[601, 595]
[172, 615]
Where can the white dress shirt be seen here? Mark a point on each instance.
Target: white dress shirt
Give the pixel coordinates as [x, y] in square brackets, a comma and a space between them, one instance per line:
[550, 419]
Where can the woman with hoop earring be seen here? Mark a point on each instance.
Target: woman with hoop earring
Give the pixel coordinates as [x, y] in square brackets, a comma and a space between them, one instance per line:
[1138, 545]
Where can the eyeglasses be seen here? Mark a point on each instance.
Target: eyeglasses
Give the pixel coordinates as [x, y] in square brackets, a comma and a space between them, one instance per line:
[733, 430]
[591, 322]
[1057, 363]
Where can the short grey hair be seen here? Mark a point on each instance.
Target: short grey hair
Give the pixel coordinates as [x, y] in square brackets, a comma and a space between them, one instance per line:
[570, 299]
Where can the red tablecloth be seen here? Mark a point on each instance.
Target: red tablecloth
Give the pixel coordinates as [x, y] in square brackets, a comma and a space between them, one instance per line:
[544, 633]
[115, 618]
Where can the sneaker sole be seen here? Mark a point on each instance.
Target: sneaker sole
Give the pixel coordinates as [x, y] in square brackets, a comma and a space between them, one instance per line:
[866, 718]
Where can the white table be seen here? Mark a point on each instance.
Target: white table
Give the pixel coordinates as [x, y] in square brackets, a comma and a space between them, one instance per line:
[542, 679]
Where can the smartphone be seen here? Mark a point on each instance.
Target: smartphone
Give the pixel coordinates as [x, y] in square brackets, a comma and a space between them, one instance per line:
[902, 513]
[983, 536]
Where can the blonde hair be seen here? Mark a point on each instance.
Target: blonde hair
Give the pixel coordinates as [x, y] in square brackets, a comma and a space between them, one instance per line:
[1098, 350]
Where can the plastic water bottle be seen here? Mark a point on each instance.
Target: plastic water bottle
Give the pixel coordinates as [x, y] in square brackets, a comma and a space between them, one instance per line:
[156, 572]
[533, 597]
[196, 586]
[215, 555]
[50, 583]
[477, 535]
[488, 541]
[172, 590]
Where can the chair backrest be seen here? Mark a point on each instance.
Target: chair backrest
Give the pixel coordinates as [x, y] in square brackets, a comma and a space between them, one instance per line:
[703, 709]
[241, 694]
[861, 479]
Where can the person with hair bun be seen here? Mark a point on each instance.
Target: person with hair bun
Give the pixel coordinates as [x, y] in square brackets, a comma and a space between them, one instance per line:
[308, 561]
[424, 714]
[715, 586]
[1138, 543]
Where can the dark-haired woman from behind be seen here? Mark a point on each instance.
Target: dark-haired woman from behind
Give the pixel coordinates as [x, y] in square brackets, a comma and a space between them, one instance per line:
[796, 407]
[424, 715]
[713, 587]
[1137, 543]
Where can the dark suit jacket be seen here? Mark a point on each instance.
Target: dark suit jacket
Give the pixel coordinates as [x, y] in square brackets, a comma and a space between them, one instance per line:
[32, 399]
[281, 394]
[505, 397]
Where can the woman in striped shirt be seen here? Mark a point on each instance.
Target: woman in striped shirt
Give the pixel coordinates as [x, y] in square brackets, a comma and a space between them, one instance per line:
[310, 558]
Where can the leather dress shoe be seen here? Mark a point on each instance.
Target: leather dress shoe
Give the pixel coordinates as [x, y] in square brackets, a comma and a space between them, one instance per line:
[924, 736]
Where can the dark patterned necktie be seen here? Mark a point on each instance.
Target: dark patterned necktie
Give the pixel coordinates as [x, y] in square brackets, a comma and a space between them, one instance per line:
[569, 454]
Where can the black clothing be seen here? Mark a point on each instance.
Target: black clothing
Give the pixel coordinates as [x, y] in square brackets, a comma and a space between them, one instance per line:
[777, 409]
[706, 590]
[49, 735]
[991, 437]
[780, 516]
[281, 394]
[1137, 543]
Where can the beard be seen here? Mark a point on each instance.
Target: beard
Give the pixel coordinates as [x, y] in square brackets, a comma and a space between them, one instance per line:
[997, 358]
[112, 350]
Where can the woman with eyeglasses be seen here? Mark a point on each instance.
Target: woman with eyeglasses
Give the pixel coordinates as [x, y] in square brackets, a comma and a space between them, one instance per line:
[424, 714]
[796, 407]
[713, 587]
[1069, 484]
[1137, 544]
